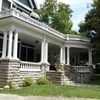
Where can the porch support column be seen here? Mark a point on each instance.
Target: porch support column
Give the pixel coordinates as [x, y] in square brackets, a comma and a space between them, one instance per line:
[44, 51]
[10, 45]
[90, 56]
[4, 48]
[62, 55]
[15, 45]
[68, 55]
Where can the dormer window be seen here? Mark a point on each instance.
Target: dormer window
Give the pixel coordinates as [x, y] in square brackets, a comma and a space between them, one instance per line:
[5, 5]
[26, 2]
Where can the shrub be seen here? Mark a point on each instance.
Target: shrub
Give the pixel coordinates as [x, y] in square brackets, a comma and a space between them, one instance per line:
[42, 81]
[27, 81]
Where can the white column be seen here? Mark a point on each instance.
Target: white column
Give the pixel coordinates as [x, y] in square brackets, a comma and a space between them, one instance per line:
[42, 51]
[46, 52]
[10, 45]
[90, 57]
[15, 45]
[1, 5]
[68, 55]
[62, 55]
[4, 48]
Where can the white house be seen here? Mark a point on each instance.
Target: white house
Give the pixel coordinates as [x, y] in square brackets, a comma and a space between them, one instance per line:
[28, 46]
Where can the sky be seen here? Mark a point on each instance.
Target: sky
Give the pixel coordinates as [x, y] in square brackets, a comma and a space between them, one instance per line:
[79, 7]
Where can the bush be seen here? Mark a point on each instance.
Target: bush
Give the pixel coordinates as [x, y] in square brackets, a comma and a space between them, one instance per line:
[27, 81]
[42, 81]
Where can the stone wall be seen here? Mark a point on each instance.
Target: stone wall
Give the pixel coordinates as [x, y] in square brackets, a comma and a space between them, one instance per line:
[9, 72]
[82, 77]
[77, 77]
[55, 77]
[32, 74]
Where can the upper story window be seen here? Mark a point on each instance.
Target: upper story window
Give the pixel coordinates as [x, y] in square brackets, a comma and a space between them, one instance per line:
[5, 5]
[26, 2]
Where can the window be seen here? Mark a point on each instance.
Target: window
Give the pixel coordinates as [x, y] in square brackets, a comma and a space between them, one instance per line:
[27, 53]
[5, 5]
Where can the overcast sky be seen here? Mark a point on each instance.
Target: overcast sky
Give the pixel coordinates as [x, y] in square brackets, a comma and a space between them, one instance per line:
[79, 8]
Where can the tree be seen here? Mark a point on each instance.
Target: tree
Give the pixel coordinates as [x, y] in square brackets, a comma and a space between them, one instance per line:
[91, 28]
[91, 25]
[56, 15]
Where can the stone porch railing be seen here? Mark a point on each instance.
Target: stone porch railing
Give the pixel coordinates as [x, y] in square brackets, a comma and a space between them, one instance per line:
[83, 69]
[82, 74]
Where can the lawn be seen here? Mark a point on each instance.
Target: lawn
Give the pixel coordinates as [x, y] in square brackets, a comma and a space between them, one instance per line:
[56, 90]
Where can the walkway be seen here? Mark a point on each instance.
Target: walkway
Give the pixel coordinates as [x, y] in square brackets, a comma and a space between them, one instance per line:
[15, 97]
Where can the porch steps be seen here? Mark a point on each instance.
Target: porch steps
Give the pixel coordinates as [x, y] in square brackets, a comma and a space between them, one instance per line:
[67, 81]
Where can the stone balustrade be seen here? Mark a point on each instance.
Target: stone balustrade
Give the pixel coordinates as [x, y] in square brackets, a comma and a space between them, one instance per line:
[83, 69]
[29, 66]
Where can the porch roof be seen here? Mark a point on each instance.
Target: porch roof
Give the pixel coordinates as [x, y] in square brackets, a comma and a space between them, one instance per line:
[13, 14]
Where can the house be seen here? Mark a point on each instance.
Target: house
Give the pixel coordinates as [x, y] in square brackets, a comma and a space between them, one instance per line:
[30, 48]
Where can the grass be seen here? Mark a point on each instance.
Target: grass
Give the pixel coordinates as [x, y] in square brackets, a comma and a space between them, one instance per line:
[56, 90]
[95, 79]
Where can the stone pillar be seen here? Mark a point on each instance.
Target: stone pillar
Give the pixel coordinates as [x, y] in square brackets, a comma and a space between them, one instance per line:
[4, 48]
[10, 45]
[15, 45]
[62, 55]
[90, 56]
[10, 73]
[68, 55]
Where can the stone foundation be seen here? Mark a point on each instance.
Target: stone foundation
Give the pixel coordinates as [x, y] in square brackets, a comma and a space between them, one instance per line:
[32, 74]
[82, 77]
[55, 77]
[77, 77]
[9, 72]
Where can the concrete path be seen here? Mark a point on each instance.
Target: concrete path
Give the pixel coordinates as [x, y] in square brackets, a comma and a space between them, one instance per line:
[16, 97]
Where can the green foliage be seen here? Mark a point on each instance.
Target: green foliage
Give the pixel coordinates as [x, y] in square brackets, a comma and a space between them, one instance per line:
[27, 81]
[91, 28]
[42, 81]
[92, 20]
[56, 15]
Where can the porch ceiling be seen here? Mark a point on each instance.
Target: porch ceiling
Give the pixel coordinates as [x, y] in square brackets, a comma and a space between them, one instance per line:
[30, 40]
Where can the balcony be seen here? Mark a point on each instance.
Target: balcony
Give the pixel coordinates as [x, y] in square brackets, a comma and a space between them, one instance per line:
[26, 18]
